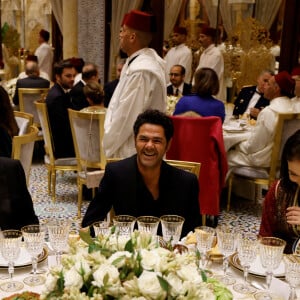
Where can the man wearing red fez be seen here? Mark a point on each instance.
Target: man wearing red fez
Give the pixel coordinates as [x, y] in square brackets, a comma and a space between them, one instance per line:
[255, 150]
[179, 54]
[45, 53]
[296, 100]
[212, 57]
[142, 84]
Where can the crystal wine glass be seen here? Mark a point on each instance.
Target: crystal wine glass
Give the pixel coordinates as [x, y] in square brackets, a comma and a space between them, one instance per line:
[247, 248]
[34, 238]
[124, 225]
[171, 228]
[226, 238]
[148, 224]
[58, 236]
[10, 246]
[271, 253]
[204, 236]
[292, 274]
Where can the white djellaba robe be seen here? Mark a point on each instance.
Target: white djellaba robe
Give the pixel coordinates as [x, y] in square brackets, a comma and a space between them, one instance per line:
[256, 151]
[212, 58]
[296, 104]
[45, 58]
[179, 55]
[142, 86]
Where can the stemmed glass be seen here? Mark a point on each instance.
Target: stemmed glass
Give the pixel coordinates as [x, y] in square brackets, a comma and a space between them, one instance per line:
[226, 238]
[124, 225]
[292, 274]
[204, 237]
[10, 246]
[101, 228]
[58, 236]
[247, 248]
[34, 238]
[271, 253]
[171, 228]
[148, 224]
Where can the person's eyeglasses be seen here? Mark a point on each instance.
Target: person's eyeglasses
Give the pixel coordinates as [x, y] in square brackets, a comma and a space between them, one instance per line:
[174, 74]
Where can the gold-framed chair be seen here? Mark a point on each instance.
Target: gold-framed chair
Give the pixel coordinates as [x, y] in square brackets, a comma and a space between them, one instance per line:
[24, 121]
[52, 164]
[22, 149]
[287, 124]
[27, 97]
[87, 132]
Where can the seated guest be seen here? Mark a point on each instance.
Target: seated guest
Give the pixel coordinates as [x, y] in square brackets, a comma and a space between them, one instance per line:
[110, 86]
[296, 100]
[89, 73]
[281, 211]
[94, 94]
[33, 80]
[250, 99]
[202, 102]
[256, 150]
[144, 184]
[33, 58]
[16, 209]
[8, 124]
[78, 64]
[178, 87]
[58, 101]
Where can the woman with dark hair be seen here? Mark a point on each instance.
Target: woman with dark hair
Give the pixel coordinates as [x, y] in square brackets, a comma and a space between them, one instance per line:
[8, 124]
[94, 94]
[281, 211]
[201, 102]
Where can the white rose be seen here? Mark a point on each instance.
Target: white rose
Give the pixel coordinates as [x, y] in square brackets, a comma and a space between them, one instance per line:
[118, 258]
[110, 270]
[150, 259]
[50, 282]
[73, 278]
[176, 285]
[150, 287]
[189, 273]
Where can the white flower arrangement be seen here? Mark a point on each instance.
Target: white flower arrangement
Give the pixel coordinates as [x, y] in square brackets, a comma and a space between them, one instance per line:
[112, 267]
[10, 87]
[171, 103]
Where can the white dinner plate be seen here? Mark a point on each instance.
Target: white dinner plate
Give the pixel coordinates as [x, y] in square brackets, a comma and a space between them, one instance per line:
[233, 129]
[256, 268]
[24, 259]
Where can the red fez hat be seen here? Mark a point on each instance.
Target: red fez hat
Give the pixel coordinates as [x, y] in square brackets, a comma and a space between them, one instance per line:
[140, 20]
[296, 72]
[285, 82]
[180, 30]
[209, 31]
[45, 34]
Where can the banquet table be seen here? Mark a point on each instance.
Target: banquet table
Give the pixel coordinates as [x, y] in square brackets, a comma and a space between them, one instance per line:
[214, 266]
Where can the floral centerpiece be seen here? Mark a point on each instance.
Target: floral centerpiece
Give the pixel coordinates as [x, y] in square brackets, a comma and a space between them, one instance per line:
[113, 267]
[171, 103]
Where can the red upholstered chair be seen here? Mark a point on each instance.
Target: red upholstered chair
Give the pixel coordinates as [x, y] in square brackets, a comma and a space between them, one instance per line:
[201, 140]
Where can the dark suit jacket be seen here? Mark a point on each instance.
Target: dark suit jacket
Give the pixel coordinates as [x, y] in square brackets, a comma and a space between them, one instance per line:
[109, 89]
[187, 89]
[29, 82]
[121, 188]
[58, 103]
[16, 209]
[77, 96]
[243, 99]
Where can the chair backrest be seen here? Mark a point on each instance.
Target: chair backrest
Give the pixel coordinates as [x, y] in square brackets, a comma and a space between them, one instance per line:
[201, 140]
[24, 121]
[42, 111]
[22, 148]
[87, 132]
[27, 97]
[287, 125]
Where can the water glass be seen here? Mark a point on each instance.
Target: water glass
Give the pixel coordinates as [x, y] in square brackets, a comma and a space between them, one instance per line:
[10, 247]
[148, 224]
[101, 228]
[292, 274]
[247, 249]
[226, 237]
[34, 238]
[58, 236]
[124, 225]
[171, 228]
[204, 237]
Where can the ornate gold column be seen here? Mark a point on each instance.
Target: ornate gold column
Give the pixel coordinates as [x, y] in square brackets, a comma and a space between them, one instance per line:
[70, 29]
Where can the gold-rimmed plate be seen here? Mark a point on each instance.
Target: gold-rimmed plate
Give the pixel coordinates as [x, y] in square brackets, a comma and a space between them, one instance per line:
[24, 259]
[256, 268]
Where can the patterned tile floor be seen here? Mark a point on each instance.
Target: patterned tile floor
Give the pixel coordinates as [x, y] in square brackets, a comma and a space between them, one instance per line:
[244, 214]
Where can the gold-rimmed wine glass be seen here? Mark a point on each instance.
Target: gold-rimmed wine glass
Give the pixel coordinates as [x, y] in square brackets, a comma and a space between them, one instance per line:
[34, 239]
[10, 247]
[292, 274]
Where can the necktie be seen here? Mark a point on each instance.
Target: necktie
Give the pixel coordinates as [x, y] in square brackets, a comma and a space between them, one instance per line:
[177, 92]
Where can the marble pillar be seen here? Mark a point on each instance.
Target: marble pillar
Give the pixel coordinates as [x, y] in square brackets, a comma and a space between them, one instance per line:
[70, 28]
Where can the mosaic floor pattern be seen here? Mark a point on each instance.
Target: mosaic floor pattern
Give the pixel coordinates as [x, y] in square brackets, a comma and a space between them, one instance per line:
[244, 214]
